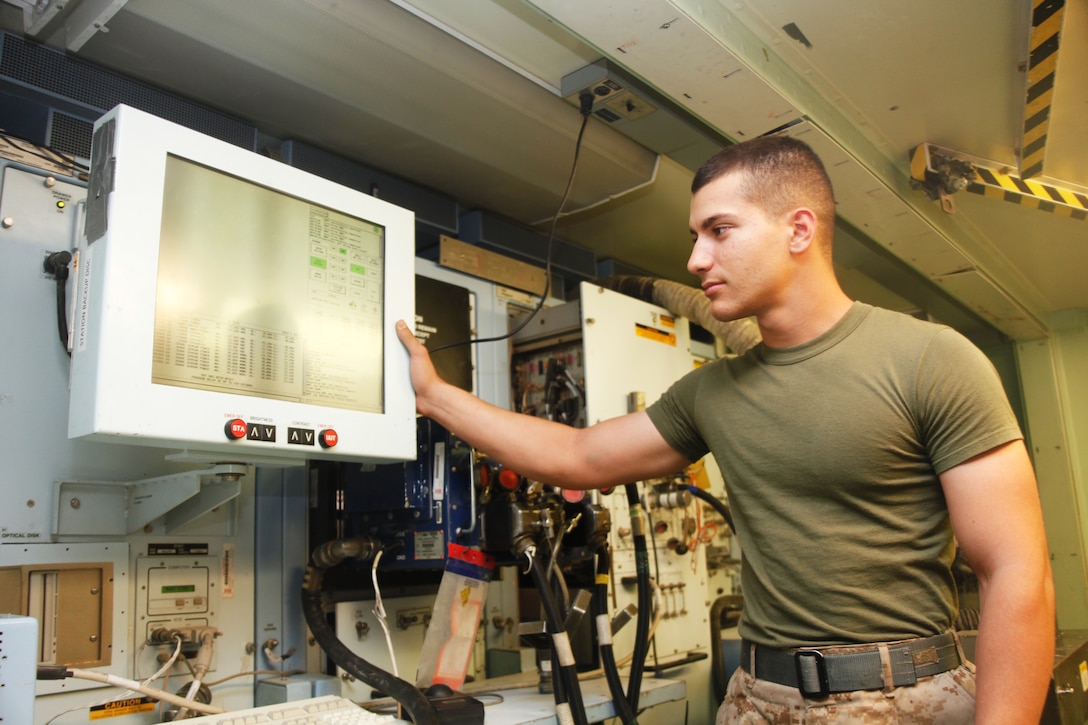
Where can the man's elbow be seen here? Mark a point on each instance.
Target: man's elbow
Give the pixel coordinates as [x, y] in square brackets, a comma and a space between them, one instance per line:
[1044, 586]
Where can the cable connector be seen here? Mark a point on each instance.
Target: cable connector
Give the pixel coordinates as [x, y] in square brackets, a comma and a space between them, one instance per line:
[585, 103]
[56, 264]
[162, 635]
[53, 672]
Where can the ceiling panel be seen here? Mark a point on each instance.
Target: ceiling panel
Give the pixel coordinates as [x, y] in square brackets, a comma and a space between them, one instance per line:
[463, 98]
[909, 71]
[1049, 249]
[375, 83]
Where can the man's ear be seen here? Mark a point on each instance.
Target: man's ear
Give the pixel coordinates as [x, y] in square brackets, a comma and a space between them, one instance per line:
[803, 222]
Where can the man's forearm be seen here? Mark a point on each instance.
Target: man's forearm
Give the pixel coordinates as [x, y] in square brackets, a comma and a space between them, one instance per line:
[1015, 650]
[619, 450]
[501, 434]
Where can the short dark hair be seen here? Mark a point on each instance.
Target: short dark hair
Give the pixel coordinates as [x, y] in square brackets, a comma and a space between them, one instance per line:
[780, 172]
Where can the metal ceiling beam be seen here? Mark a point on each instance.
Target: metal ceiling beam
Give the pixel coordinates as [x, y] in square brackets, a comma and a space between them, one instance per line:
[941, 172]
[37, 13]
[78, 23]
[1042, 70]
[86, 19]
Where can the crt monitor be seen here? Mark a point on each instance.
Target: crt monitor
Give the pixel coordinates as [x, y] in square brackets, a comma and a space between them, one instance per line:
[235, 308]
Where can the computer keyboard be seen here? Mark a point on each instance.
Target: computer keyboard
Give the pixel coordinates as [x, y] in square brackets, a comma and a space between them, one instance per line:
[327, 710]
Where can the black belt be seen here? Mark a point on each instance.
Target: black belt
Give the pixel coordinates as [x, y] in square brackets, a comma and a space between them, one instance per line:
[817, 674]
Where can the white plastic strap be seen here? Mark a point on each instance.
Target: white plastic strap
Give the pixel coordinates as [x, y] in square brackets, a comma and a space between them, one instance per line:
[563, 652]
[604, 630]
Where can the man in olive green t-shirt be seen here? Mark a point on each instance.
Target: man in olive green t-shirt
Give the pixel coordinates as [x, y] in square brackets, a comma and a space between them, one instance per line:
[830, 474]
[855, 443]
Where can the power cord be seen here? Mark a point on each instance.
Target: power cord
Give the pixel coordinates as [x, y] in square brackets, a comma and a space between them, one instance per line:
[59, 672]
[56, 264]
[379, 612]
[39, 152]
[585, 101]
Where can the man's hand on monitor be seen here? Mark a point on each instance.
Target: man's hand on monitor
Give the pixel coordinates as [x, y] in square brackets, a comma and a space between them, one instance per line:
[420, 366]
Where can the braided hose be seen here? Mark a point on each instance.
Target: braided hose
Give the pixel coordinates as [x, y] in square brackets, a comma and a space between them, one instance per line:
[690, 302]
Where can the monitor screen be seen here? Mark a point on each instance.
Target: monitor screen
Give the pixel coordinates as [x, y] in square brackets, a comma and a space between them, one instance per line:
[235, 307]
[317, 339]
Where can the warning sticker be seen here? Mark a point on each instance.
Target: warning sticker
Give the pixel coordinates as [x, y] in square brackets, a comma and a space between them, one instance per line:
[652, 333]
[118, 708]
[429, 545]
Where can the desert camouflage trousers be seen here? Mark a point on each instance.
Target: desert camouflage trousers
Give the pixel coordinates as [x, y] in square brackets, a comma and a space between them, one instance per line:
[944, 699]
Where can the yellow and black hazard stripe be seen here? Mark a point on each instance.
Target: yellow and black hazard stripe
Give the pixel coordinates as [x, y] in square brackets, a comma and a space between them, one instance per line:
[1032, 194]
[986, 181]
[1046, 27]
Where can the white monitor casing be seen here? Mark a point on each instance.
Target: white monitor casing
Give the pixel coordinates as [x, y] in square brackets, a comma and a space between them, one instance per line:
[247, 278]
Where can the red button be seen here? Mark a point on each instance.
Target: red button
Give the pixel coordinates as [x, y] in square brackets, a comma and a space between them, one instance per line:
[509, 479]
[328, 438]
[573, 495]
[235, 429]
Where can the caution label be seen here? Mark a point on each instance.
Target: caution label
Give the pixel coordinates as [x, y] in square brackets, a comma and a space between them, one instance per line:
[1032, 194]
[1046, 27]
[117, 708]
[652, 333]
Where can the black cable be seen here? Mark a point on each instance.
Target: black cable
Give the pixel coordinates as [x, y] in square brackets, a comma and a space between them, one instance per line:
[563, 605]
[660, 667]
[608, 656]
[559, 682]
[657, 570]
[729, 608]
[560, 588]
[56, 264]
[569, 692]
[731, 605]
[645, 600]
[716, 504]
[722, 605]
[57, 158]
[586, 105]
[414, 702]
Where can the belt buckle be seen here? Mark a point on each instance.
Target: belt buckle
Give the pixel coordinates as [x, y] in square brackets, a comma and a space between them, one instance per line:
[821, 673]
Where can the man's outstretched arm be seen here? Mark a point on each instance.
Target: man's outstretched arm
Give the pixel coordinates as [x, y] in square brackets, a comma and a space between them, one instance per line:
[612, 452]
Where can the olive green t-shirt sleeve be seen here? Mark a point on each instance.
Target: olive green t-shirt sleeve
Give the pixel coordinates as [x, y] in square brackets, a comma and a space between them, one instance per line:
[673, 415]
[963, 409]
[961, 405]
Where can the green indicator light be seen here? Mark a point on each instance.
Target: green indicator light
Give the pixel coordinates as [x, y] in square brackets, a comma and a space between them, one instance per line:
[318, 262]
[343, 251]
[358, 269]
